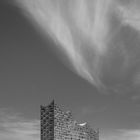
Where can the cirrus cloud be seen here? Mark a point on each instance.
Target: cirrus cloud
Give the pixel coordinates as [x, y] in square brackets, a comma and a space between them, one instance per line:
[13, 126]
[123, 134]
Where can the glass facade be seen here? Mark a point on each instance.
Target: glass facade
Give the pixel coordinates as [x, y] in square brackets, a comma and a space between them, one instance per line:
[59, 125]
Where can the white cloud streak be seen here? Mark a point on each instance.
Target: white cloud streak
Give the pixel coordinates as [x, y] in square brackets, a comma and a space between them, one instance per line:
[14, 127]
[63, 22]
[124, 134]
[86, 32]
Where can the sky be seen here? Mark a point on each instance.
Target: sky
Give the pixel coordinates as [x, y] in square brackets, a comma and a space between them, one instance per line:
[88, 64]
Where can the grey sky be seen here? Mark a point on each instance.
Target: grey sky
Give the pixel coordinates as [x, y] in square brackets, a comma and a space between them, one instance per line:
[32, 74]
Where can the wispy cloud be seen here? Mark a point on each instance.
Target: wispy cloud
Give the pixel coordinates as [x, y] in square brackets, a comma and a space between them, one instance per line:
[122, 135]
[13, 126]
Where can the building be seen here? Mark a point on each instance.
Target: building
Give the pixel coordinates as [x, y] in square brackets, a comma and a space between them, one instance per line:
[59, 125]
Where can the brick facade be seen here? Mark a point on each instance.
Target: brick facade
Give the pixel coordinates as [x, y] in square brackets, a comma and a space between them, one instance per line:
[59, 125]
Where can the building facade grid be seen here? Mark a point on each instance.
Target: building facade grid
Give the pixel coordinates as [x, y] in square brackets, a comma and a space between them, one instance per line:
[59, 125]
